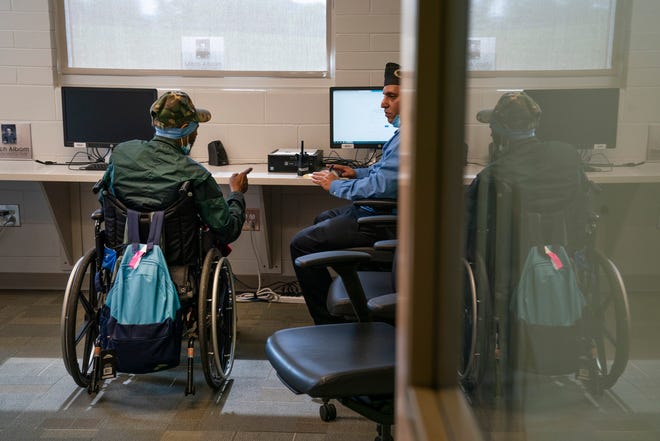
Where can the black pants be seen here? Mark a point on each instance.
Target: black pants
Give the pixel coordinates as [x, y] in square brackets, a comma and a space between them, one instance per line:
[332, 230]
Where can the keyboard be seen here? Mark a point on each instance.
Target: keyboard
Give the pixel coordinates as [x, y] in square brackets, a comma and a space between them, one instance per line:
[95, 166]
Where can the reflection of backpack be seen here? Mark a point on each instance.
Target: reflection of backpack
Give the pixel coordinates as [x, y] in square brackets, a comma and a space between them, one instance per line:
[547, 307]
[141, 318]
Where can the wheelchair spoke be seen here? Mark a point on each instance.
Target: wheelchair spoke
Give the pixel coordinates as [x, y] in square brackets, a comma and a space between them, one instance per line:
[83, 331]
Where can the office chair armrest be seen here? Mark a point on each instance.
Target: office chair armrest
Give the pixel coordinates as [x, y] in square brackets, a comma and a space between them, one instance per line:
[386, 245]
[383, 307]
[329, 258]
[385, 203]
[381, 205]
[345, 264]
[379, 219]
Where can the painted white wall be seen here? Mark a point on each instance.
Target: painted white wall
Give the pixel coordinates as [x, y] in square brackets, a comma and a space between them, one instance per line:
[254, 116]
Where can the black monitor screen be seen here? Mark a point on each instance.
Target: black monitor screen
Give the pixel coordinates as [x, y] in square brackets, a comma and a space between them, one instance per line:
[103, 117]
[586, 118]
[356, 118]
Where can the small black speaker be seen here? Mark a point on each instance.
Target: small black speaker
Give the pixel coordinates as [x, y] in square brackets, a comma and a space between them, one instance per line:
[217, 153]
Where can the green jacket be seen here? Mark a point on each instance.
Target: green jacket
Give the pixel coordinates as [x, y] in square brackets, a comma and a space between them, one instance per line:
[146, 175]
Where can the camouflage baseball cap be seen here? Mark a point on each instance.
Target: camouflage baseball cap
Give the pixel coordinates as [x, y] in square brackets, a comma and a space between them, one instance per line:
[513, 111]
[174, 109]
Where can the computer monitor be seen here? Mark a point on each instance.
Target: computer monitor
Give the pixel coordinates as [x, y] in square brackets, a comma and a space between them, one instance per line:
[356, 118]
[102, 117]
[585, 118]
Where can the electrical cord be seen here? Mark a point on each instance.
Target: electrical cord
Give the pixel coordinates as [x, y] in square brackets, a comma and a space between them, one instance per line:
[264, 294]
[370, 156]
[92, 155]
[267, 293]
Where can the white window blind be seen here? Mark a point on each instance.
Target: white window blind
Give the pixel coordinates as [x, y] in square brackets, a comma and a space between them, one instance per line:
[232, 36]
[541, 35]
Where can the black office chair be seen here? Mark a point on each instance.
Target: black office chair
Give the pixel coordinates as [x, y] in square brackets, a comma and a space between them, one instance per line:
[379, 289]
[353, 363]
[377, 276]
[384, 219]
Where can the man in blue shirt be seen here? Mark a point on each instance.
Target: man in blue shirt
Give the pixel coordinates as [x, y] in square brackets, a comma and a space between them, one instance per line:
[338, 228]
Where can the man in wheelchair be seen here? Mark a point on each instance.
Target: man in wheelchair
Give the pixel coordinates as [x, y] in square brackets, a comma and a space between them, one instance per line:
[154, 187]
[535, 271]
[148, 174]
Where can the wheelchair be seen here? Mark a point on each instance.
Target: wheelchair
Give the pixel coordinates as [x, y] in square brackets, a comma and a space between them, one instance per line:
[200, 270]
[493, 350]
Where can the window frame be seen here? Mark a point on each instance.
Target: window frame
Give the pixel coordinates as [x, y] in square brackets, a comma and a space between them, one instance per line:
[63, 69]
[612, 77]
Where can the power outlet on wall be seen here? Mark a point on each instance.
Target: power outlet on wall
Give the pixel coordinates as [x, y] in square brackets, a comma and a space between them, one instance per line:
[251, 220]
[9, 216]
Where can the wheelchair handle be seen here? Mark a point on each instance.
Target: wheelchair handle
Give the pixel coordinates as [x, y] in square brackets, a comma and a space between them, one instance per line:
[98, 186]
[185, 188]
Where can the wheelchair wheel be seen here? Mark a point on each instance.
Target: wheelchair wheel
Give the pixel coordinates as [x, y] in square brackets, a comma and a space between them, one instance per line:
[217, 318]
[609, 320]
[79, 324]
[477, 340]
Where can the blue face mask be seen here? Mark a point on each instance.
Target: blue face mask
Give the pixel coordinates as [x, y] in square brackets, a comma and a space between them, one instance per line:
[397, 121]
[186, 149]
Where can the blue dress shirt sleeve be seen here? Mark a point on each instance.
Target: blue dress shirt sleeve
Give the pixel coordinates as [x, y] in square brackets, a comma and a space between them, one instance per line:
[379, 180]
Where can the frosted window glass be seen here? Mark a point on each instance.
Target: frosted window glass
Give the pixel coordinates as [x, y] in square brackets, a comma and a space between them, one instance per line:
[520, 35]
[219, 35]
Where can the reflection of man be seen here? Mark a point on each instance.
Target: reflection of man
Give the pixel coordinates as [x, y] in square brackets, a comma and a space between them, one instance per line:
[338, 228]
[8, 134]
[548, 174]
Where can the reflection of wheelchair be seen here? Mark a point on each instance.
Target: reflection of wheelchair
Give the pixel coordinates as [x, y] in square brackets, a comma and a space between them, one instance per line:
[201, 273]
[494, 348]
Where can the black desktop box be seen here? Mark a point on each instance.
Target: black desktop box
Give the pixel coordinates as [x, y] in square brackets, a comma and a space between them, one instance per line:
[287, 161]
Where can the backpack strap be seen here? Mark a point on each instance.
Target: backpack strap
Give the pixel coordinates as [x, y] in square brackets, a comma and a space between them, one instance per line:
[133, 229]
[155, 229]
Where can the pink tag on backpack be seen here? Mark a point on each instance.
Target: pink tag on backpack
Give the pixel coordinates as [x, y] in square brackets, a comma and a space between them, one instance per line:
[556, 261]
[135, 260]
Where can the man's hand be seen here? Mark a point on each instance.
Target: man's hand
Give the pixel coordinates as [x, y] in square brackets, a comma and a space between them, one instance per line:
[344, 171]
[239, 181]
[324, 178]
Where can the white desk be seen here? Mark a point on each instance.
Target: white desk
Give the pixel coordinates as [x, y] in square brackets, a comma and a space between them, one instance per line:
[641, 174]
[33, 171]
[61, 186]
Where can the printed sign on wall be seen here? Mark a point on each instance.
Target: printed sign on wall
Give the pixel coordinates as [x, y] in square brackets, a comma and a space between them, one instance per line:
[16, 141]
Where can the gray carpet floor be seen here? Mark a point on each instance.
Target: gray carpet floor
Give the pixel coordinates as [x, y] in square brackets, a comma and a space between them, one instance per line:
[39, 400]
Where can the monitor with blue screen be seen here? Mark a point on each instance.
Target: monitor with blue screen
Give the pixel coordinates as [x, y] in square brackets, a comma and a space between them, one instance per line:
[356, 118]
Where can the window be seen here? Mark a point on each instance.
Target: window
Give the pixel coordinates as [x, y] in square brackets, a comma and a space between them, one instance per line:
[226, 37]
[541, 35]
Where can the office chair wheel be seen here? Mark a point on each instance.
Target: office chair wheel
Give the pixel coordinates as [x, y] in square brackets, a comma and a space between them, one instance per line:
[608, 322]
[476, 315]
[217, 318]
[79, 323]
[328, 412]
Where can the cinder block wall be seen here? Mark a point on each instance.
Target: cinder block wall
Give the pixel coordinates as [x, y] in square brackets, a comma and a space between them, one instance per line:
[253, 117]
